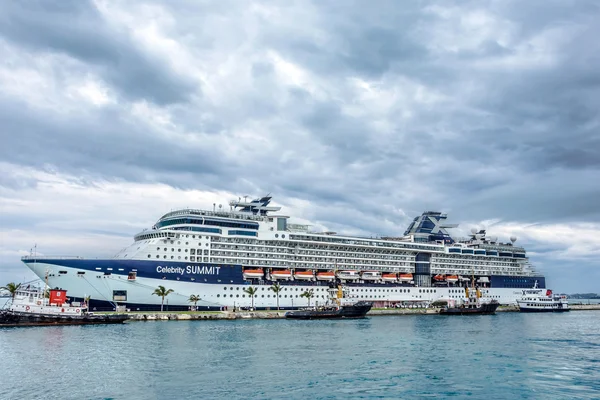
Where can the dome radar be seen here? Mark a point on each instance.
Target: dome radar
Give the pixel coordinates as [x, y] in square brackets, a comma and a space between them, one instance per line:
[513, 239]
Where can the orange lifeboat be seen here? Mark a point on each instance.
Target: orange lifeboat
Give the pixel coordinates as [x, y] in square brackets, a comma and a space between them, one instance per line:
[257, 273]
[439, 278]
[304, 275]
[281, 274]
[406, 277]
[389, 277]
[452, 278]
[325, 276]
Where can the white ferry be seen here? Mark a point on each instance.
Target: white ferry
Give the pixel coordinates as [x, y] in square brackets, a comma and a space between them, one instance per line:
[217, 254]
[542, 300]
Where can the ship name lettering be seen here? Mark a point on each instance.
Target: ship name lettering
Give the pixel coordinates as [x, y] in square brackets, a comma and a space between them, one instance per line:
[204, 270]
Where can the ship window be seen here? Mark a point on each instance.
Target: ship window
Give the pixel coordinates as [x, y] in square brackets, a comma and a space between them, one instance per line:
[179, 250]
[218, 295]
[165, 257]
[165, 249]
[80, 272]
[172, 257]
[192, 258]
[186, 257]
[62, 272]
[186, 250]
[157, 256]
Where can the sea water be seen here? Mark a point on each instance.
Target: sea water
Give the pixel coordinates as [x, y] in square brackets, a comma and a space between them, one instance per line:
[503, 356]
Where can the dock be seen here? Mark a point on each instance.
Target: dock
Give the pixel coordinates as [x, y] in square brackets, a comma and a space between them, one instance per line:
[274, 314]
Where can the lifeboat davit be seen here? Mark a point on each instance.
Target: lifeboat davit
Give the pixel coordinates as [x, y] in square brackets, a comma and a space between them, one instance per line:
[281, 274]
[253, 273]
[349, 275]
[325, 276]
[371, 275]
[406, 277]
[304, 275]
[389, 277]
[452, 278]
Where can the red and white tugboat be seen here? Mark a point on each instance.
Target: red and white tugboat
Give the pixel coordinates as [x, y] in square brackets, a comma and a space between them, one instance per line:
[30, 307]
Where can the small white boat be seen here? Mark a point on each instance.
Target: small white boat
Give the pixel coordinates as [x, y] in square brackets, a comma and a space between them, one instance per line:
[349, 275]
[371, 276]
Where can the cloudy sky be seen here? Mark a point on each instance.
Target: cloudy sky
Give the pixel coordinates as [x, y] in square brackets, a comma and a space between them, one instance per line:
[355, 116]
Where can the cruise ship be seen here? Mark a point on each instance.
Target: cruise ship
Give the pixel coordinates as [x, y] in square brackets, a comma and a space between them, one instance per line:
[217, 255]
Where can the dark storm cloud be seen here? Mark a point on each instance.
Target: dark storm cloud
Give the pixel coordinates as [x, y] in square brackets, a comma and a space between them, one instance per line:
[76, 28]
[503, 132]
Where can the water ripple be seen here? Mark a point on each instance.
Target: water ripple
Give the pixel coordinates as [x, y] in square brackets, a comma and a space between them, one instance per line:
[503, 356]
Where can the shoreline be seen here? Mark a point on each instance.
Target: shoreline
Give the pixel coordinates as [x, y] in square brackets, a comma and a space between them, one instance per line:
[274, 314]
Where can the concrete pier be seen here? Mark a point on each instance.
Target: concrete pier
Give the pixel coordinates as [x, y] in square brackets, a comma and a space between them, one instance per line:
[274, 314]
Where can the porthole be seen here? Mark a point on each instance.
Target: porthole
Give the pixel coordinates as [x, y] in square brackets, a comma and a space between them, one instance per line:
[149, 256]
[276, 235]
[179, 257]
[218, 295]
[186, 243]
[282, 236]
[172, 257]
[165, 257]
[172, 249]
[158, 249]
[165, 249]
[157, 256]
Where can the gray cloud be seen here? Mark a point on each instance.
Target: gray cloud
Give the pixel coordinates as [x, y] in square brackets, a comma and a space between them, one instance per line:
[76, 28]
[371, 113]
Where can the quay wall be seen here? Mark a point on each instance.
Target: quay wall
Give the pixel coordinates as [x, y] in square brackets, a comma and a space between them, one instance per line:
[273, 314]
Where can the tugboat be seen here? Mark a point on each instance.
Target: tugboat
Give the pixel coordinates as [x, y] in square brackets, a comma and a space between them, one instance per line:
[30, 307]
[535, 300]
[471, 305]
[341, 306]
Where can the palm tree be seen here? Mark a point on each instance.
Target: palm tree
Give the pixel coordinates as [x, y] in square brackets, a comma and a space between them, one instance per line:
[194, 299]
[11, 288]
[308, 294]
[86, 300]
[251, 292]
[276, 288]
[162, 292]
